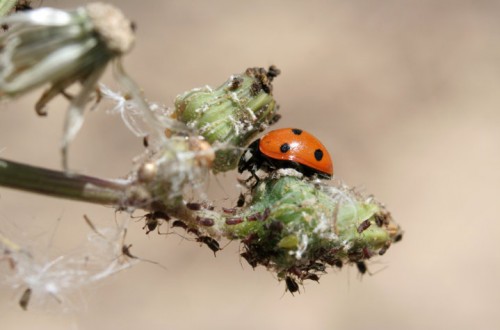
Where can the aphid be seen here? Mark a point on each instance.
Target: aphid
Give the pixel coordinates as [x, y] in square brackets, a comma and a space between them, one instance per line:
[291, 285]
[254, 217]
[229, 211]
[356, 254]
[159, 215]
[361, 265]
[194, 206]
[295, 271]
[255, 88]
[193, 231]
[208, 222]
[312, 277]
[210, 242]
[274, 119]
[179, 223]
[25, 299]
[317, 266]
[378, 220]
[273, 72]
[332, 261]
[364, 226]
[234, 221]
[383, 250]
[151, 223]
[398, 237]
[153, 220]
[241, 200]
[251, 259]
[235, 83]
[367, 254]
[287, 148]
[145, 141]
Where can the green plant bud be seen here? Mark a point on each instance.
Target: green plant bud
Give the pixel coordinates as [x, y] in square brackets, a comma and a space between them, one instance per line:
[297, 227]
[229, 116]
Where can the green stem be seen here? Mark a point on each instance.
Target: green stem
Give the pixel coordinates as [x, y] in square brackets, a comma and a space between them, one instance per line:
[60, 184]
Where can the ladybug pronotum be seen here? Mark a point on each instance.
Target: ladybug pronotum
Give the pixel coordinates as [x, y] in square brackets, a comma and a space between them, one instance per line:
[287, 148]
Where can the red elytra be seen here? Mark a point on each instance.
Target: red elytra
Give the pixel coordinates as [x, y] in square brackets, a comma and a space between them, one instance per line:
[288, 148]
[298, 146]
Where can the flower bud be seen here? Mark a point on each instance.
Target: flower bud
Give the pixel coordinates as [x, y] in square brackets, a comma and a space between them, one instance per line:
[297, 228]
[55, 47]
[229, 116]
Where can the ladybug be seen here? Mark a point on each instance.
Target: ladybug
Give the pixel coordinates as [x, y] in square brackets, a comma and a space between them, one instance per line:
[287, 148]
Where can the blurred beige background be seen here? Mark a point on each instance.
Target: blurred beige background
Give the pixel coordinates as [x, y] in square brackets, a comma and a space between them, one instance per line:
[405, 94]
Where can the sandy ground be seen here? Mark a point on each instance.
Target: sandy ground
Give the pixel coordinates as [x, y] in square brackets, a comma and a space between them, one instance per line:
[404, 95]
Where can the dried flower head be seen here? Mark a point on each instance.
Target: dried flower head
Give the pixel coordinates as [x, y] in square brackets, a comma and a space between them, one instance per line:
[43, 280]
[58, 47]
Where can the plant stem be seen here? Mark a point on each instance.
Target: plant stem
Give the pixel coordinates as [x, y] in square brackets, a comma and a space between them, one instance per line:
[60, 184]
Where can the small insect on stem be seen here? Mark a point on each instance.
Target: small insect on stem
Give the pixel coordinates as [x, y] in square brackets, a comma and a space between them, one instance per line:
[317, 266]
[235, 83]
[153, 220]
[229, 211]
[362, 268]
[364, 226]
[207, 222]
[398, 237]
[312, 277]
[291, 285]
[210, 242]
[379, 220]
[252, 260]
[193, 231]
[367, 254]
[194, 206]
[254, 217]
[241, 200]
[383, 250]
[234, 221]
[179, 223]
[25, 299]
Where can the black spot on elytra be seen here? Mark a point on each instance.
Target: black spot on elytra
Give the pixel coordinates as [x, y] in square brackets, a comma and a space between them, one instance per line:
[318, 154]
[284, 147]
[296, 131]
